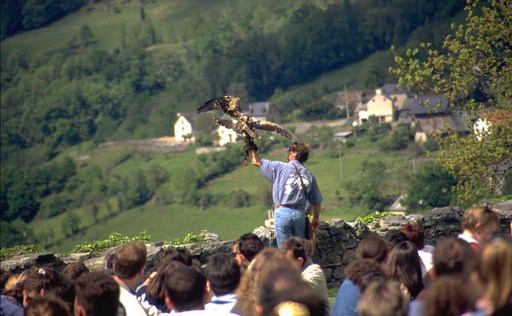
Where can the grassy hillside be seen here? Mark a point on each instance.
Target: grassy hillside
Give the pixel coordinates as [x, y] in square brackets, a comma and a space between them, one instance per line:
[166, 222]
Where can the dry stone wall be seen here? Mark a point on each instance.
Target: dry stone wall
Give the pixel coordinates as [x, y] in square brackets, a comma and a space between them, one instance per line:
[337, 242]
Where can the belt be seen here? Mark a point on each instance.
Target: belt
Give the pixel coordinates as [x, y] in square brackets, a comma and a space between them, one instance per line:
[287, 206]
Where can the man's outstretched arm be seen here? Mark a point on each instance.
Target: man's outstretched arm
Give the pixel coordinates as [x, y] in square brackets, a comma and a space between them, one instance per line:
[255, 159]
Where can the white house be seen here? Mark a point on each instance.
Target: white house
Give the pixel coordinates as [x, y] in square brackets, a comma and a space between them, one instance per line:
[381, 107]
[226, 135]
[184, 127]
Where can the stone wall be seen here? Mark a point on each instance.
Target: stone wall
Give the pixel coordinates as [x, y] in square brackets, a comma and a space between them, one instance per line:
[337, 241]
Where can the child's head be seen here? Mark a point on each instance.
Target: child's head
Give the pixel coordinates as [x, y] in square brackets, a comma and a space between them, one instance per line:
[482, 222]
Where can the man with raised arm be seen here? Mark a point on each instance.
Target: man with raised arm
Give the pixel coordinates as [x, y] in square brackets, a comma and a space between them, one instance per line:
[293, 187]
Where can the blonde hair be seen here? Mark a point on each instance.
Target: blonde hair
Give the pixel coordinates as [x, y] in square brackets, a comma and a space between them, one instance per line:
[475, 216]
[268, 259]
[495, 270]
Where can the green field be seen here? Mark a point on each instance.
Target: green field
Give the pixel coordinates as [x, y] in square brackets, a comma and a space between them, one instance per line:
[167, 222]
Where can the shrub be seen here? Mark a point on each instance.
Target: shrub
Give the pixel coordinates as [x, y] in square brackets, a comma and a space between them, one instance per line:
[95, 247]
[430, 187]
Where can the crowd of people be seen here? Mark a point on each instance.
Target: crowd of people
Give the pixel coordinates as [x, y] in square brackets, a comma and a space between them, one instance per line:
[397, 274]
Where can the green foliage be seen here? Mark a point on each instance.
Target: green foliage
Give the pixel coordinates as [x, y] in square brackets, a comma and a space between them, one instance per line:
[320, 109]
[399, 138]
[473, 162]
[70, 224]
[19, 249]
[95, 247]
[376, 130]
[430, 187]
[366, 189]
[189, 238]
[239, 198]
[29, 14]
[15, 233]
[372, 217]
[474, 71]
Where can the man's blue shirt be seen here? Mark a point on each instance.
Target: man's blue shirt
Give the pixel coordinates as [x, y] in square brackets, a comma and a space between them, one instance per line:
[286, 185]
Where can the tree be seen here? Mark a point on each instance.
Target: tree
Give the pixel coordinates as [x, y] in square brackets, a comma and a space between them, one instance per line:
[474, 71]
[430, 187]
[365, 190]
[86, 35]
[70, 224]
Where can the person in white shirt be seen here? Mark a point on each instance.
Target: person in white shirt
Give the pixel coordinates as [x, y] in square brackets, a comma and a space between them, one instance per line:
[223, 277]
[416, 235]
[295, 248]
[128, 265]
[479, 225]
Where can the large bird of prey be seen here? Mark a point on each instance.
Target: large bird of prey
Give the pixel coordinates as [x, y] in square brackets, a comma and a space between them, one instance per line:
[243, 124]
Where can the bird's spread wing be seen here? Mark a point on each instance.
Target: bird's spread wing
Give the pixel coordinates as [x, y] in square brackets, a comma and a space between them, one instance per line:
[274, 127]
[212, 104]
[226, 123]
[238, 126]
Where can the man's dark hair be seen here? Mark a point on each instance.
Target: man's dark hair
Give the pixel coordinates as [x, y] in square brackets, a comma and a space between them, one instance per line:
[415, 234]
[301, 150]
[97, 293]
[156, 286]
[51, 282]
[223, 273]
[250, 245]
[297, 246]
[186, 288]
[73, 270]
[48, 304]
[394, 237]
[171, 253]
[372, 247]
[286, 285]
[129, 259]
[453, 256]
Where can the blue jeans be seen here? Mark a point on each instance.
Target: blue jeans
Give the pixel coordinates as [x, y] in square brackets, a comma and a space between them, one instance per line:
[289, 222]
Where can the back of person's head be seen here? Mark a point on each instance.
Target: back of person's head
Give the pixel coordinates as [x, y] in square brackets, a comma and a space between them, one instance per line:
[478, 216]
[47, 305]
[156, 285]
[296, 247]
[452, 256]
[223, 274]
[393, 237]
[185, 289]
[45, 281]
[302, 151]
[250, 245]
[383, 298]
[404, 265]
[97, 294]
[415, 234]
[494, 269]
[362, 272]
[267, 260]
[73, 270]
[129, 259]
[372, 247]
[171, 253]
[283, 288]
[447, 296]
